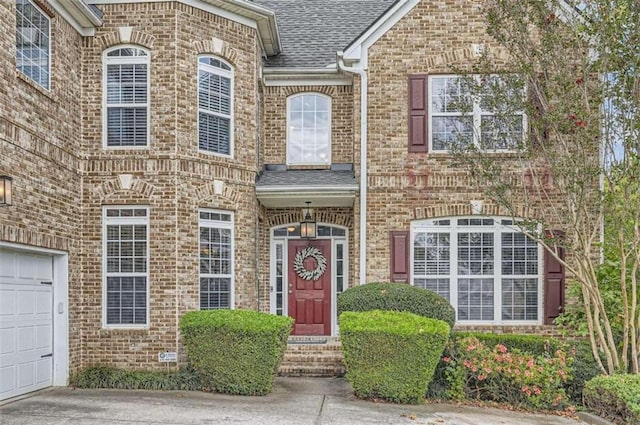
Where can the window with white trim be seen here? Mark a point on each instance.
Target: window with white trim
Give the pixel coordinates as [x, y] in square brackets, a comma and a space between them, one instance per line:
[216, 260]
[215, 106]
[126, 266]
[33, 42]
[126, 88]
[308, 129]
[458, 117]
[485, 266]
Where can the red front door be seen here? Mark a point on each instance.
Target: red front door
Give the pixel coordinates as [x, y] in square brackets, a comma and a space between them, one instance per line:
[310, 286]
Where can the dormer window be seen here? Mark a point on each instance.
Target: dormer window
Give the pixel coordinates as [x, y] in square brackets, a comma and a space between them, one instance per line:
[309, 129]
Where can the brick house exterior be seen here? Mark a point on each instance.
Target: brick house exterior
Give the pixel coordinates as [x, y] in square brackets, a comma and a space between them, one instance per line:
[135, 230]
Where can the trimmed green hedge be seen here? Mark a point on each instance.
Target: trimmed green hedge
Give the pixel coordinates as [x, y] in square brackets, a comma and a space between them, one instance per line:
[397, 297]
[235, 351]
[616, 398]
[111, 377]
[391, 355]
[535, 345]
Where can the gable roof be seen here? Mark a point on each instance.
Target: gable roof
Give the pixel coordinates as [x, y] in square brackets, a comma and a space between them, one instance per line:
[312, 31]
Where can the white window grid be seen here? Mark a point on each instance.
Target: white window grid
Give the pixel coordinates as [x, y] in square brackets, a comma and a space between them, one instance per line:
[119, 218]
[132, 98]
[215, 106]
[439, 282]
[33, 43]
[431, 262]
[309, 129]
[520, 267]
[280, 279]
[216, 259]
[468, 126]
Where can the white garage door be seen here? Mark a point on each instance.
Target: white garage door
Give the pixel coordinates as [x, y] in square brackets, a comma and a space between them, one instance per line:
[26, 322]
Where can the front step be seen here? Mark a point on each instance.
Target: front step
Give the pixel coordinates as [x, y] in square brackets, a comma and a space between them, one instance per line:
[312, 357]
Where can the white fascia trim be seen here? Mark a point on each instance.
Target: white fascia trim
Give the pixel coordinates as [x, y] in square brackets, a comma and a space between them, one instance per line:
[282, 82]
[298, 71]
[29, 248]
[87, 13]
[358, 50]
[304, 77]
[78, 15]
[307, 189]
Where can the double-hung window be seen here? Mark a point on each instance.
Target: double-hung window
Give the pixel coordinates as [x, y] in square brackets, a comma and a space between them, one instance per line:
[126, 89]
[216, 259]
[486, 267]
[465, 112]
[215, 106]
[309, 129]
[33, 42]
[126, 265]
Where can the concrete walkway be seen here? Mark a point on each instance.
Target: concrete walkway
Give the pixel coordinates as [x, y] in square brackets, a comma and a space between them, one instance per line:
[296, 401]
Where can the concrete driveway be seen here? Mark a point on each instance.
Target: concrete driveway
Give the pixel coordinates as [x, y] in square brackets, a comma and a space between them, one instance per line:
[296, 401]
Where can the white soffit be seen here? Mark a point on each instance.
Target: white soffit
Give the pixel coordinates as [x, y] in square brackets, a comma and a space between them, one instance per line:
[319, 198]
[78, 14]
[305, 77]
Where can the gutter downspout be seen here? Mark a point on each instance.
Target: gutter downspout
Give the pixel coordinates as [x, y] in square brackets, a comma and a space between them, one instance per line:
[363, 161]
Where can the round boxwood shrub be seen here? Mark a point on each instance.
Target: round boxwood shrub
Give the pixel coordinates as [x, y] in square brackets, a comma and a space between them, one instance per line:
[397, 297]
[391, 355]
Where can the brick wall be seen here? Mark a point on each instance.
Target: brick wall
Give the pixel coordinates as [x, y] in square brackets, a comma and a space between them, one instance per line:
[419, 185]
[170, 176]
[51, 143]
[39, 148]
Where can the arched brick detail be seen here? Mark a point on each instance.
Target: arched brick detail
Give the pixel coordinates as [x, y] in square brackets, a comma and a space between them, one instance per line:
[216, 47]
[454, 56]
[284, 218]
[112, 38]
[228, 199]
[326, 216]
[113, 187]
[464, 209]
[463, 55]
[329, 217]
[326, 90]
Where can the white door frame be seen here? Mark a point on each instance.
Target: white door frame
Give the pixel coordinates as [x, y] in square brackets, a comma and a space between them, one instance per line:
[60, 308]
[335, 240]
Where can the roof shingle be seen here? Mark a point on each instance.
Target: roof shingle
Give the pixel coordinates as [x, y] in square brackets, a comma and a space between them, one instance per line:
[312, 31]
[306, 178]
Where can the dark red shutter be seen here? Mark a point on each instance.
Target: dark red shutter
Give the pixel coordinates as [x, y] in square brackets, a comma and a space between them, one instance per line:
[400, 256]
[418, 116]
[554, 281]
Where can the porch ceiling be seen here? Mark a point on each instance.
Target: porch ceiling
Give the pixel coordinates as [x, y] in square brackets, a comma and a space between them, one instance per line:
[292, 188]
